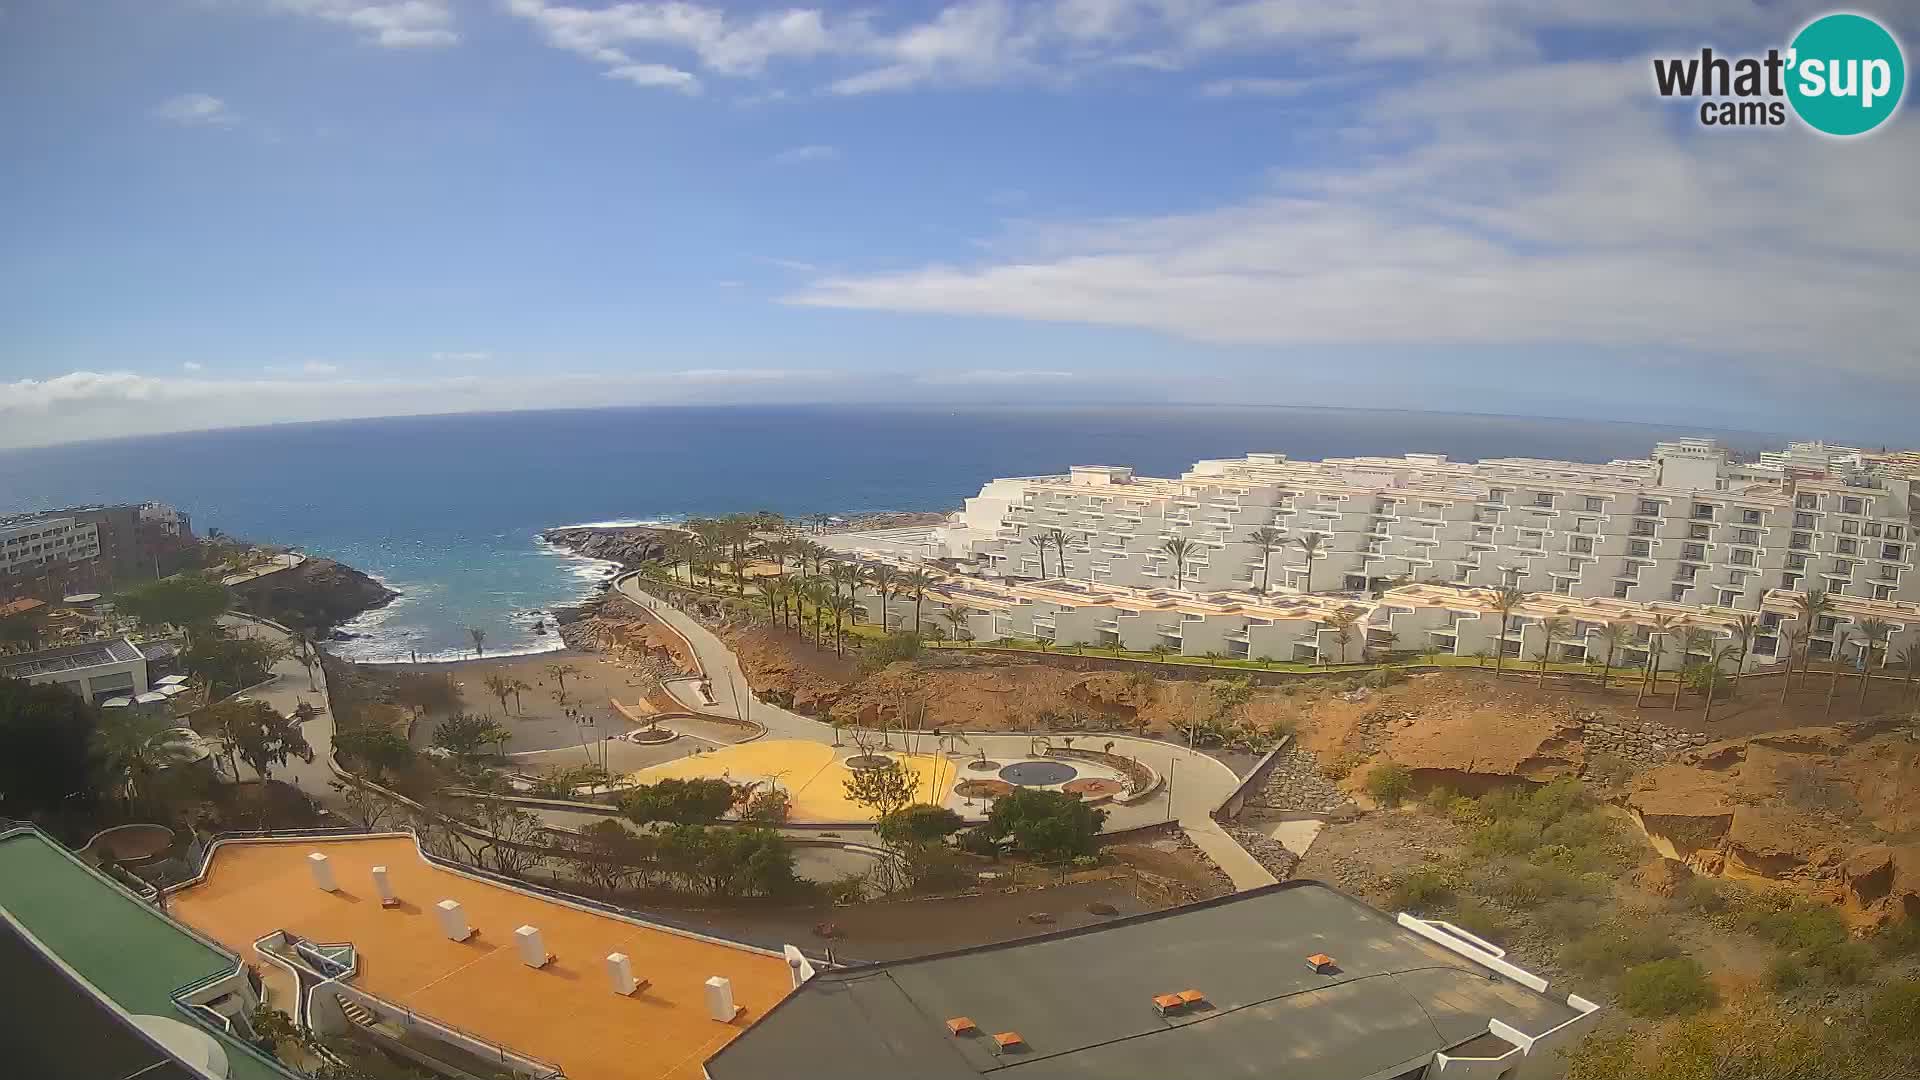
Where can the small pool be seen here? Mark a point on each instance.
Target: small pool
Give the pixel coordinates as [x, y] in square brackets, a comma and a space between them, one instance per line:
[1038, 773]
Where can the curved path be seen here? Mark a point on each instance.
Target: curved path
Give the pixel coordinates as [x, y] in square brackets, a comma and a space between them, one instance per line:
[1196, 784]
[287, 689]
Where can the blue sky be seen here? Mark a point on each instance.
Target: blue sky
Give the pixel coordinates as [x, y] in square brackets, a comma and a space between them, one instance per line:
[244, 211]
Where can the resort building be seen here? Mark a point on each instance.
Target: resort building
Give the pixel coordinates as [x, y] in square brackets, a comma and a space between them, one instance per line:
[1293, 979]
[38, 548]
[95, 670]
[1688, 536]
[485, 976]
[108, 985]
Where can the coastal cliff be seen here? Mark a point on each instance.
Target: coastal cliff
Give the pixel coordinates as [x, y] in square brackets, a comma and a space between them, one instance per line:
[628, 545]
[319, 593]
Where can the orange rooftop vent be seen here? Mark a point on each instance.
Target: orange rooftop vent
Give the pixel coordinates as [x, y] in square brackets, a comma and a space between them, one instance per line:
[961, 1025]
[1008, 1040]
[1321, 963]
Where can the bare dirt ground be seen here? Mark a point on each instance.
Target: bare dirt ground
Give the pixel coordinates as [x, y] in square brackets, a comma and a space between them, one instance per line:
[538, 720]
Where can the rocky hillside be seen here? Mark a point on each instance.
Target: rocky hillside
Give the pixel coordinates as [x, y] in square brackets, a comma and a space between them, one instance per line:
[319, 593]
[629, 546]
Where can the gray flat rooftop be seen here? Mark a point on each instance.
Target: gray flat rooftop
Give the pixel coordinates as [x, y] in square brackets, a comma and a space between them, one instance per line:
[1082, 1001]
[68, 658]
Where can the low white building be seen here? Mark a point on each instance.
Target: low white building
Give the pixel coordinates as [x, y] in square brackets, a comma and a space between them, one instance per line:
[97, 670]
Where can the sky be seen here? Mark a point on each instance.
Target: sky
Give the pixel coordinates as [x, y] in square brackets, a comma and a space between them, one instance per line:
[233, 212]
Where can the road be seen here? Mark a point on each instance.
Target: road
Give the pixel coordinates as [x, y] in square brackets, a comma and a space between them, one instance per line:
[1197, 784]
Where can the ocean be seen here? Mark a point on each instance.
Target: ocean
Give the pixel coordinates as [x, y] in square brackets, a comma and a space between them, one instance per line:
[446, 509]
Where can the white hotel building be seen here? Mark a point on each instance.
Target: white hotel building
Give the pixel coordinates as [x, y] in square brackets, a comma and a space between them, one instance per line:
[1688, 532]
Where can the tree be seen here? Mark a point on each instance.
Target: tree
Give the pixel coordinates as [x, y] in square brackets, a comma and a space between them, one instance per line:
[917, 824]
[1716, 657]
[1746, 626]
[1611, 634]
[1309, 544]
[768, 805]
[1040, 542]
[681, 802]
[130, 747]
[1909, 659]
[1058, 538]
[606, 855]
[229, 663]
[375, 746]
[1343, 622]
[187, 600]
[479, 637]
[1267, 539]
[843, 609]
[467, 736]
[1809, 607]
[22, 630]
[47, 750]
[1048, 825]
[917, 581]
[1179, 549]
[882, 789]
[1549, 629]
[956, 617]
[728, 862]
[882, 577]
[1792, 641]
[559, 673]
[1692, 640]
[257, 735]
[1658, 628]
[499, 687]
[1873, 640]
[1505, 599]
[515, 686]
[1841, 635]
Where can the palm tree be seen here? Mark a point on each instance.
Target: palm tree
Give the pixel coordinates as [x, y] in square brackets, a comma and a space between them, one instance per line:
[127, 743]
[1909, 659]
[956, 616]
[1342, 622]
[1505, 599]
[820, 592]
[1267, 538]
[1808, 608]
[1179, 549]
[479, 637]
[1714, 660]
[1549, 629]
[1792, 640]
[1745, 626]
[1058, 539]
[917, 581]
[1841, 635]
[1657, 630]
[1873, 635]
[1692, 640]
[843, 609]
[1040, 541]
[882, 577]
[1611, 634]
[1308, 543]
[499, 687]
[559, 673]
[517, 685]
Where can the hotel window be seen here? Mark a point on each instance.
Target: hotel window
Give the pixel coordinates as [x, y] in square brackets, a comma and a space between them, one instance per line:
[1893, 532]
[1746, 536]
[1620, 590]
[1563, 585]
[1728, 599]
[1642, 527]
[1695, 552]
[1845, 546]
[1803, 521]
[1889, 573]
[1827, 624]
[1842, 568]
[1770, 619]
[1871, 528]
[1851, 505]
[1639, 548]
[1582, 544]
[1680, 592]
[1703, 511]
[1648, 506]
[1737, 578]
[1584, 525]
[1699, 532]
[1542, 499]
[1883, 592]
[1849, 527]
[1892, 551]
[1806, 502]
[1749, 516]
[1741, 557]
[1789, 581]
[1596, 503]
[1801, 541]
[1497, 496]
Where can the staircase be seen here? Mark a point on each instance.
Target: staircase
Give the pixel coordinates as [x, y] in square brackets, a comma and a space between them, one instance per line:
[356, 1012]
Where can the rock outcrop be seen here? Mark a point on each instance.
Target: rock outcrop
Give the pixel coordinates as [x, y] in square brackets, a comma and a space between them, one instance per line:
[627, 545]
[318, 594]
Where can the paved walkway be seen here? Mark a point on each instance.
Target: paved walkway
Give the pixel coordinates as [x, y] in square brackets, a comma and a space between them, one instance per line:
[289, 689]
[1195, 783]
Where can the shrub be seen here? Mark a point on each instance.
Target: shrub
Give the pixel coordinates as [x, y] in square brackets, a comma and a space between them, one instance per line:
[1421, 891]
[1618, 946]
[1384, 677]
[1343, 765]
[1526, 886]
[1568, 919]
[1703, 895]
[889, 650]
[1800, 926]
[1045, 824]
[680, 802]
[975, 841]
[1893, 1016]
[1844, 964]
[768, 806]
[1389, 783]
[1676, 986]
[920, 823]
[1514, 836]
[1899, 939]
[1437, 800]
[1479, 920]
[1786, 974]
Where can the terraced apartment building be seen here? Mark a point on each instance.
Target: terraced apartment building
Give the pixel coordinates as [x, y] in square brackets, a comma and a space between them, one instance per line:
[1688, 533]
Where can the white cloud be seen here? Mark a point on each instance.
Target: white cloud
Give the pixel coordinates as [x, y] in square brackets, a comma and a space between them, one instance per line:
[800, 155]
[1256, 87]
[310, 367]
[191, 366]
[461, 357]
[393, 24]
[1549, 204]
[995, 377]
[671, 78]
[194, 110]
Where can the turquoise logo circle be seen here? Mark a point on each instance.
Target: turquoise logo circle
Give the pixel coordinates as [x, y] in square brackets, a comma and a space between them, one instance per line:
[1845, 74]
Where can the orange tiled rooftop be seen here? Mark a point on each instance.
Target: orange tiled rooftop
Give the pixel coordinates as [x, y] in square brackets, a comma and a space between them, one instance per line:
[563, 1013]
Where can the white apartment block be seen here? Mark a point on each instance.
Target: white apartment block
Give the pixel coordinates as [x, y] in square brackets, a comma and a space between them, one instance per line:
[1688, 533]
[36, 543]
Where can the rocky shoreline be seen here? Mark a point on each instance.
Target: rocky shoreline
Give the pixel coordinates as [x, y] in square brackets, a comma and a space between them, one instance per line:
[628, 545]
[319, 594]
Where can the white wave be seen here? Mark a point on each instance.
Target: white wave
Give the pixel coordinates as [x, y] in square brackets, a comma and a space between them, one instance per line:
[448, 656]
[625, 523]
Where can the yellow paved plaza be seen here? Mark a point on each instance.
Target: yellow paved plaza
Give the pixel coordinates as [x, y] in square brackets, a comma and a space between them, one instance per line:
[813, 773]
